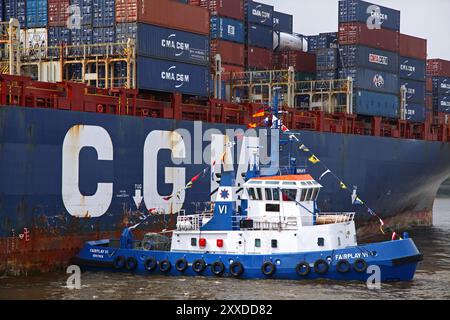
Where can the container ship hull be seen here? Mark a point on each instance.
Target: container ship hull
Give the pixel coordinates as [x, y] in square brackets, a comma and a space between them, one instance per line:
[67, 177]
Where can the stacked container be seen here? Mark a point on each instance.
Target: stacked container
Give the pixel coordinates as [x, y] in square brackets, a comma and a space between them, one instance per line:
[413, 55]
[58, 15]
[438, 85]
[369, 38]
[259, 35]
[15, 9]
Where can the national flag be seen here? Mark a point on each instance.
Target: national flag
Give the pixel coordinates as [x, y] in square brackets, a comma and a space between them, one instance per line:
[358, 201]
[252, 125]
[343, 186]
[325, 173]
[259, 113]
[313, 159]
[284, 128]
[197, 176]
[304, 148]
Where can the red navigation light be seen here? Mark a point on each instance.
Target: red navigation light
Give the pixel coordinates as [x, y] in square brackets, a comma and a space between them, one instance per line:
[219, 243]
[202, 242]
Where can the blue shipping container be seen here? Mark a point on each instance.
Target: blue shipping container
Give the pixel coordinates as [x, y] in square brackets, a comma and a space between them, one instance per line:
[327, 40]
[415, 90]
[227, 29]
[283, 22]
[84, 8]
[125, 31]
[172, 44]
[374, 80]
[169, 76]
[58, 35]
[260, 36]
[259, 13]
[103, 13]
[326, 74]
[81, 36]
[368, 13]
[415, 112]
[327, 59]
[313, 42]
[36, 13]
[376, 104]
[103, 35]
[365, 57]
[15, 9]
[413, 69]
[441, 86]
[441, 103]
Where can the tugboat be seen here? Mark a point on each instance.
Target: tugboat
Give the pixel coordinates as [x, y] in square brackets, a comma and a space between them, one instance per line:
[277, 232]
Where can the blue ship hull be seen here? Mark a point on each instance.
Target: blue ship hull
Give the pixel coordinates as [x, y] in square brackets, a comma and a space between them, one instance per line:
[397, 178]
[397, 261]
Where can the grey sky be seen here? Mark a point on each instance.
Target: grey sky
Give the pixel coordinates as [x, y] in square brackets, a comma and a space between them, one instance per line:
[425, 19]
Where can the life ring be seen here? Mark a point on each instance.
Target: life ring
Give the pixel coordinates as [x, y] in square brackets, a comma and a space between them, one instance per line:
[100, 108]
[165, 265]
[119, 262]
[132, 263]
[321, 266]
[218, 268]
[268, 268]
[343, 266]
[199, 265]
[150, 264]
[181, 264]
[236, 269]
[303, 269]
[360, 265]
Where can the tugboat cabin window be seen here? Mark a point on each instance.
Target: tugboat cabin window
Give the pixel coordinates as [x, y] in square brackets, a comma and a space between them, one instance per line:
[258, 194]
[268, 194]
[272, 207]
[303, 195]
[257, 243]
[289, 194]
[276, 194]
[274, 243]
[308, 194]
[314, 194]
[320, 242]
[193, 242]
[251, 193]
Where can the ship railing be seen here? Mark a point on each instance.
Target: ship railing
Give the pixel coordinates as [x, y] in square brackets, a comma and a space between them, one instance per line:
[334, 217]
[193, 222]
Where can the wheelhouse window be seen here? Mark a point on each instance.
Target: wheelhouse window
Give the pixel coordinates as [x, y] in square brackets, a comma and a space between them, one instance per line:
[268, 194]
[251, 193]
[270, 207]
[315, 193]
[308, 194]
[289, 194]
[258, 194]
[303, 195]
[276, 194]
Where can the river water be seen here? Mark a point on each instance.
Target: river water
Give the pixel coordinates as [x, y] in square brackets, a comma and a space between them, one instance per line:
[432, 280]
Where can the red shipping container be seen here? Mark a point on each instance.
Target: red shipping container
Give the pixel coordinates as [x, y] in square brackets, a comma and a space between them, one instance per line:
[429, 84]
[164, 13]
[58, 13]
[358, 33]
[438, 68]
[413, 47]
[228, 69]
[259, 58]
[230, 52]
[225, 8]
[300, 61]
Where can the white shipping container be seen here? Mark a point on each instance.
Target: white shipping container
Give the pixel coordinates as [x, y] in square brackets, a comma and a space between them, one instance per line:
[34, 41]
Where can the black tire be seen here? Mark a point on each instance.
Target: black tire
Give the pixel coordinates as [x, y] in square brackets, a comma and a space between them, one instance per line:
[131, 264]
[150, 264]
[268, 268]
[218, 268]
[343, 266]
[302, 269]
[165, 265]
[236, 269]
[119, 262]
[181, 265]
[199, 265]
[321, 266]
[360, 265]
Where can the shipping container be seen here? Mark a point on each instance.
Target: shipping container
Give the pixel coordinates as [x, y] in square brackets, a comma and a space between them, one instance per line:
[413, 47]
[287, 42]
[103, 35]
[15, 9]
[81, 36]
[415, 90]
[412, 69]
[259, 13]
[327, 40]
[174, 15]
[415, 112]
[260, 36]
[370, 14]
[163, 43]
[37, 14]
[374, 80]
[227, 29]
[126, 11]
[58, 13]
[313, 43]
[103, 13]
[438, 68]
[327, 59]
[58, 36]
[441, 86]
[376, 104]
[34, 41]
[233, 9]
[283, 22]
[429, 101]
[259, 58]
[125, 31]
[300, 61]
[231, 53]
[326, 74]
[366, 57]
[358, 33]
[170, 76]
[441, 103]
[305, 76]
[81, 9]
